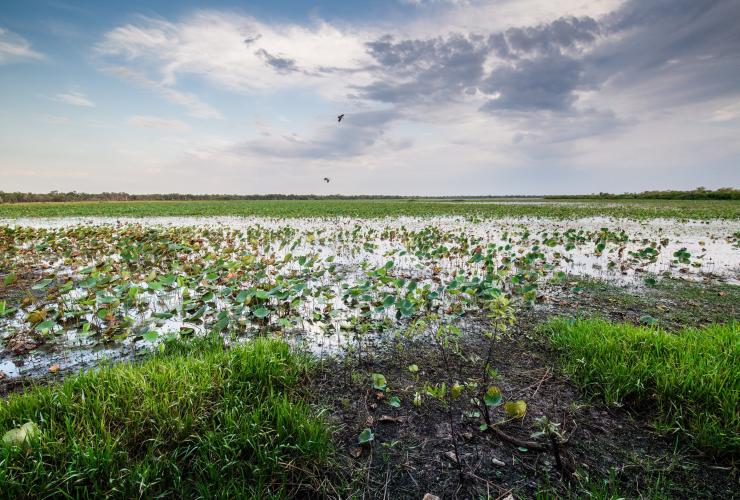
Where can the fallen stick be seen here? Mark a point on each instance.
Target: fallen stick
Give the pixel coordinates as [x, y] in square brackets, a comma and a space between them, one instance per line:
[530, 445]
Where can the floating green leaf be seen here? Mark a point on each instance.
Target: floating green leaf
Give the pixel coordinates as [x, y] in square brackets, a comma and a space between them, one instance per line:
[42, 284]
[648, 320]
[45, 325]
[150, 336]
[261, 312]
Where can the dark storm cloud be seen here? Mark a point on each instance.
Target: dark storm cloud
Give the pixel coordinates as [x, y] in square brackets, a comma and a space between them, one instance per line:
[543, 66]
[561, 34]
[682, 50]
[279, 64]
[546, 83]
[412, 71]
[537, 74]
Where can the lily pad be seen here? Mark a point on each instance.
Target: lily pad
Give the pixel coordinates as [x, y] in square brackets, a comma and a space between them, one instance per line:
[648, 320]
[150, 336]
[261, 312]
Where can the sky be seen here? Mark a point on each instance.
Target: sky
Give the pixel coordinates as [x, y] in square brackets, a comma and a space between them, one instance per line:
[441, 97]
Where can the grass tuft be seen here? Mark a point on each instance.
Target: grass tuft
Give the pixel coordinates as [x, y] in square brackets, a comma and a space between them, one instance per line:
[691, 376]
[193, 421]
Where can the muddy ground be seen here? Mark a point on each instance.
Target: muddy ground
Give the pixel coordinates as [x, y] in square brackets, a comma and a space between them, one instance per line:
[611, 451]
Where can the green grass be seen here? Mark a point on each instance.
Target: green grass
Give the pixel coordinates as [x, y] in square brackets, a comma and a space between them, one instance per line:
[675, 303]
[609, 488]
[196, 421]
[692, 376]
[680, 209]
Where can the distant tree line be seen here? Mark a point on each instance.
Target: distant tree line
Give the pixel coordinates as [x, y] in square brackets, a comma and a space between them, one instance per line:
[699, 193]
[18, 197]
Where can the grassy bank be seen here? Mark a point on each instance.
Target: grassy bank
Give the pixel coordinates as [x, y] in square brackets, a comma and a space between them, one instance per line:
[194, 421]
[640, 209]
[692, 377]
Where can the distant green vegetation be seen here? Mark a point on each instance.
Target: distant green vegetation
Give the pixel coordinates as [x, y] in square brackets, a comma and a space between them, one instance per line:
[58, 196]
[692, 376]
[680, 209]
[695, 194]
[699, 193]
[196, 421]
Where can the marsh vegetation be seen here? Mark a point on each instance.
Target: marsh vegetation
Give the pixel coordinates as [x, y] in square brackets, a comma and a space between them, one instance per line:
[392, 347]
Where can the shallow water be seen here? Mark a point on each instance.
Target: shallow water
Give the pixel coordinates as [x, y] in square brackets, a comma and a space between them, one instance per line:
[715, 241]
[713, 245]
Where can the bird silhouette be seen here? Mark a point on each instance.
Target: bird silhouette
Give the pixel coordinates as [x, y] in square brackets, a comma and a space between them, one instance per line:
[339, 118]
[326, 179]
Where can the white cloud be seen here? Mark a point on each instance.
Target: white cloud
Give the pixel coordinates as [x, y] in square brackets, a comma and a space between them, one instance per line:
[237, 53]
[188, 100]
[14, 47]
[158, 123]
[75, 99]
[726, 113]
[476, 16]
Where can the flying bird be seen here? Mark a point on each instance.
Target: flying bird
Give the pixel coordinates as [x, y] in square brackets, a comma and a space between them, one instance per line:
[326, 179]
[339, 118]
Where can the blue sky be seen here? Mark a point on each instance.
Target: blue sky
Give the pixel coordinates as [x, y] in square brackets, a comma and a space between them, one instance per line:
[441, 96]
